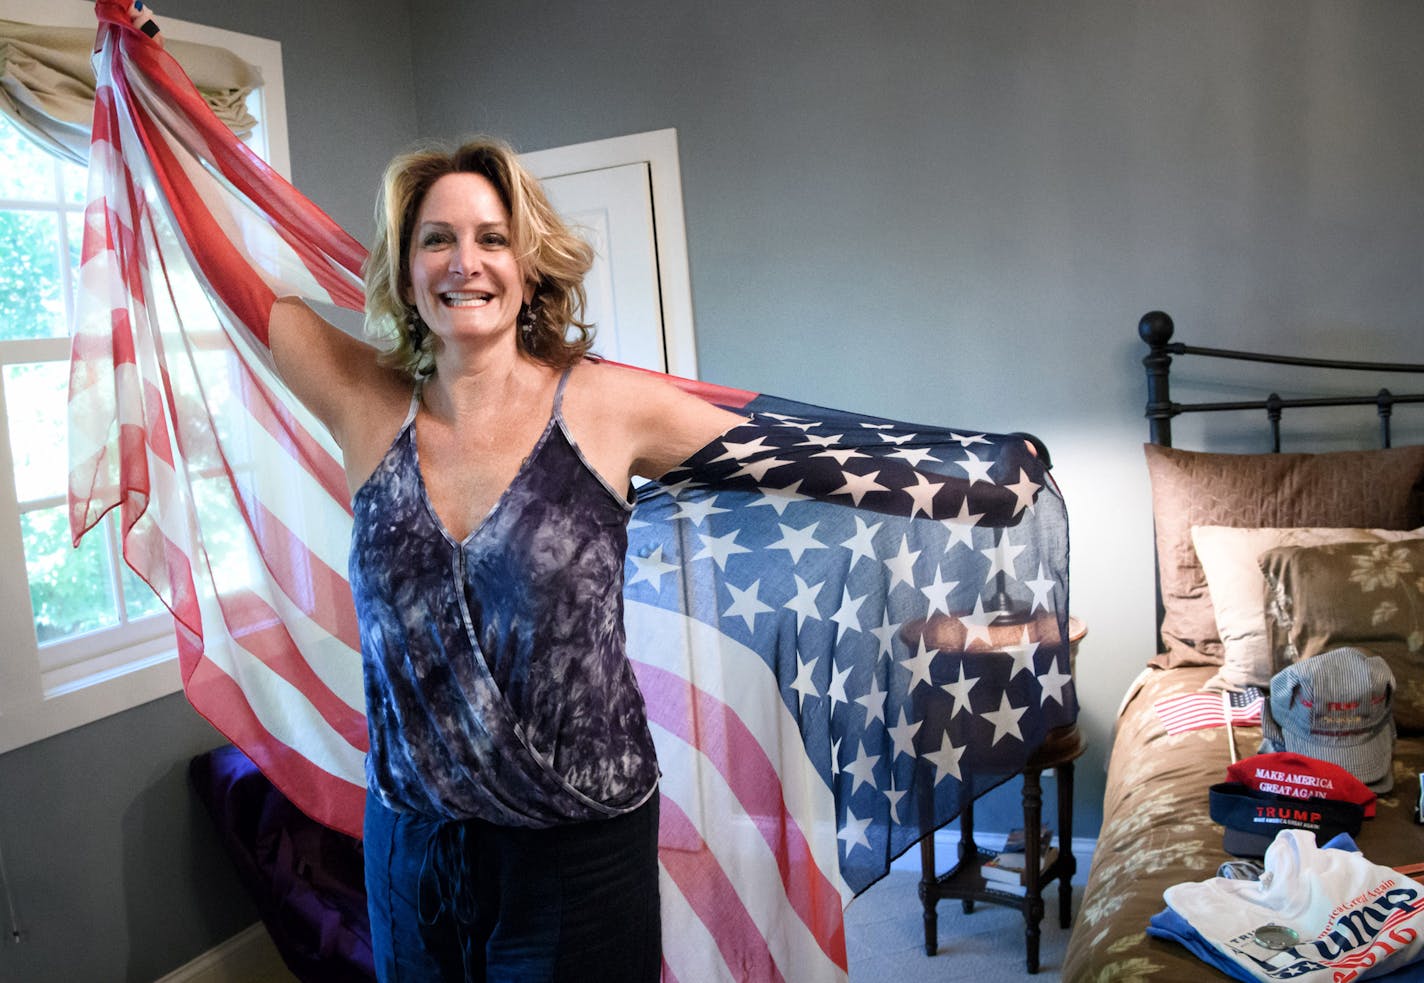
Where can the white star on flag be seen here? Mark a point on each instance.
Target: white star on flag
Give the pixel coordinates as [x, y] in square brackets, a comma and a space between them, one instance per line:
[922, 495]
[915, 455]
[651, 569]
[740, 450]
[837, 690]
[804, 603]
[798, 422]
[1053, 682]
[862, 770]
[873, 701]
[1002, 555]
[780, 498]
[902, 565]
[961, 526]
[976, 625]
[720, 548]
[745, 604]
[959, 692]
[858, 485]
[1022, 654]
[903, 736]
[696, 510]
[965, 440]
[757, 470]
[823, 439]
[803, 684]
[847, 615]
[1005, 720]
[919, 666]
[853, 832]
[797, 541]
[1023, 490]
[1042, 588]
[885, 634]
[894, 795]
[946, 759]
[863, 542]
[976, 469]
[938, 592]
[904, 438]
[840, 455]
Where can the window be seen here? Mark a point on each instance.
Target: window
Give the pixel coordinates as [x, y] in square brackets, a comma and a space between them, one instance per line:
[80, 636]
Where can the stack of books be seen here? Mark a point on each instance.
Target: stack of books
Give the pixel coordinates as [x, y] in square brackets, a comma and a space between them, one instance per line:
[1004, 871]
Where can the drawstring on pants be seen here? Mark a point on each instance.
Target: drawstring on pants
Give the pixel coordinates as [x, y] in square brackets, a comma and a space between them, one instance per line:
[447, 883]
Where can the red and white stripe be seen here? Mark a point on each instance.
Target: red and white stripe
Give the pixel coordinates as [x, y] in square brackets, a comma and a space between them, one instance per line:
[176, 414]
[749, 826]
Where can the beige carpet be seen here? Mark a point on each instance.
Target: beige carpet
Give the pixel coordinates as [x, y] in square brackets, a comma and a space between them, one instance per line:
[885, 937]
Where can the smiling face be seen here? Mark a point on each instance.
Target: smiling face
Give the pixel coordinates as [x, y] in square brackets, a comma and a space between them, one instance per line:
[464, 278]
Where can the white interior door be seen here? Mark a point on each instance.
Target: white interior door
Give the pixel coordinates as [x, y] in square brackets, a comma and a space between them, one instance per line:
[625, 195]
[612, 208]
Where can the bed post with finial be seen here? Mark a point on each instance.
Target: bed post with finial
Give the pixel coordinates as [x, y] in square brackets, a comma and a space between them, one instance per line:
[1155, 329]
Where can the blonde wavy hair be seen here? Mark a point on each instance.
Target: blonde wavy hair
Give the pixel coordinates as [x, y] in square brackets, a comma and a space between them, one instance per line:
[550, 256]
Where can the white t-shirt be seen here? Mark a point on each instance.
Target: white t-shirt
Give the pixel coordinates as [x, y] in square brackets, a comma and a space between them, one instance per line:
[1353, 919]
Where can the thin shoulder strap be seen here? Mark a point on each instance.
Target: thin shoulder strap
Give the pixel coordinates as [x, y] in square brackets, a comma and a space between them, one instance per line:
[559, 392]
[414, 404]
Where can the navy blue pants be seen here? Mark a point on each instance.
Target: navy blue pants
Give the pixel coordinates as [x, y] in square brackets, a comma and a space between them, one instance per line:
[474, 901]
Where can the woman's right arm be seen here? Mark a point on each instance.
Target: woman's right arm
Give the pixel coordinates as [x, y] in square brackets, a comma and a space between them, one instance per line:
[338, 378]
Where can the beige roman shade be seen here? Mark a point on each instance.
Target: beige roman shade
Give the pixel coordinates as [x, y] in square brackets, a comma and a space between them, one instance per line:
[47, 83]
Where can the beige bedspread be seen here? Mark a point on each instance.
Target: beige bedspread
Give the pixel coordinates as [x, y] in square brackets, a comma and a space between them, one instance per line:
[1157, 832]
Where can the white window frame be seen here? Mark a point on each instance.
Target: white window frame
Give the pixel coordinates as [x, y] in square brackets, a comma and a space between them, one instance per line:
[36, 703]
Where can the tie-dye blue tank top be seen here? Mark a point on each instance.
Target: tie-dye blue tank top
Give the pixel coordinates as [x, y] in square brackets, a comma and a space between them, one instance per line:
[497, 682]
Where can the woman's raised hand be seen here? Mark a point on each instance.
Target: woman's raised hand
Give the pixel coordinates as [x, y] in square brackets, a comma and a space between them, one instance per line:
[142, 18]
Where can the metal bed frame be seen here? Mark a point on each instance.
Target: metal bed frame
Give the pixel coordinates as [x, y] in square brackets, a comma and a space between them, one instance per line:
[1156, 330]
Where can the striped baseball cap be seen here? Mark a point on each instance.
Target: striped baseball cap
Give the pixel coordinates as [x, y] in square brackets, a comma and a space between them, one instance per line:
[1338, 707]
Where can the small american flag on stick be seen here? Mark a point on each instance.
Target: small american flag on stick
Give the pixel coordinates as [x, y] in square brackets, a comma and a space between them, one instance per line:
[1207, 708]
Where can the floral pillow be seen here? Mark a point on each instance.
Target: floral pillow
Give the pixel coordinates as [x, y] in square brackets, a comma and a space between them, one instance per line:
[1369, 595]
[1238, 592]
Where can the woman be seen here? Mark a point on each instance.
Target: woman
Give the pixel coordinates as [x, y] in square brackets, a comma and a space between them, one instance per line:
[511, 827]
[512, 811]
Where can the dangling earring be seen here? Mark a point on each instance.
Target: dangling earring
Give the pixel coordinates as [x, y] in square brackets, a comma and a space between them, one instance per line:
[415, 328]
[528, 320]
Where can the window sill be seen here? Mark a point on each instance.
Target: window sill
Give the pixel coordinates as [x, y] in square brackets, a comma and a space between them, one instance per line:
[75, 700]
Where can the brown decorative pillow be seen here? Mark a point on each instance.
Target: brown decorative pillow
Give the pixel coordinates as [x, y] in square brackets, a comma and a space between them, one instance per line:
[1365, 489]
[1229, 557]
[1366, 595]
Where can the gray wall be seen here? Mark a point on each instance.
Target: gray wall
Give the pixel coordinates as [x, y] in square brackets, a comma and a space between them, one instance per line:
[943, 211]
[115, 868]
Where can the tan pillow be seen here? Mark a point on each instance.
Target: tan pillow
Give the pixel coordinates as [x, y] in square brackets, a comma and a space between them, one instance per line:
[1366, 595]
[1357, 489]
[1238, 590]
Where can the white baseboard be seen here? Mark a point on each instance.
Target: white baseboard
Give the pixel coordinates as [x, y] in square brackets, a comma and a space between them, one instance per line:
[947, 846]
[247, 956]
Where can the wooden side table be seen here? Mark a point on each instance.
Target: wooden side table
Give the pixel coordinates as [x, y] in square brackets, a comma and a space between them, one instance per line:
[965, 880]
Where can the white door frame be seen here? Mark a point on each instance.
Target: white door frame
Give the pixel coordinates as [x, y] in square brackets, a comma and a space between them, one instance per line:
[658, 149]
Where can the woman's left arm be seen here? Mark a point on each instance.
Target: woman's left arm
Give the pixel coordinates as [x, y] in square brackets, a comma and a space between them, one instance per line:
[666, 426]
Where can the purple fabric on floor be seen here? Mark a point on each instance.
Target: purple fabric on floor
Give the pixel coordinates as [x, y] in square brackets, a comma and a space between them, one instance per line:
[307, 880]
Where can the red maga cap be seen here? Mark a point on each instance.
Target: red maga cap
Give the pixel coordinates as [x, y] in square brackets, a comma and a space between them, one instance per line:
[1301, 777]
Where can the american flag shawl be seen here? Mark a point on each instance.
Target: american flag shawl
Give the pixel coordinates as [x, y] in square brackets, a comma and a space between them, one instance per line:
[844, 627]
